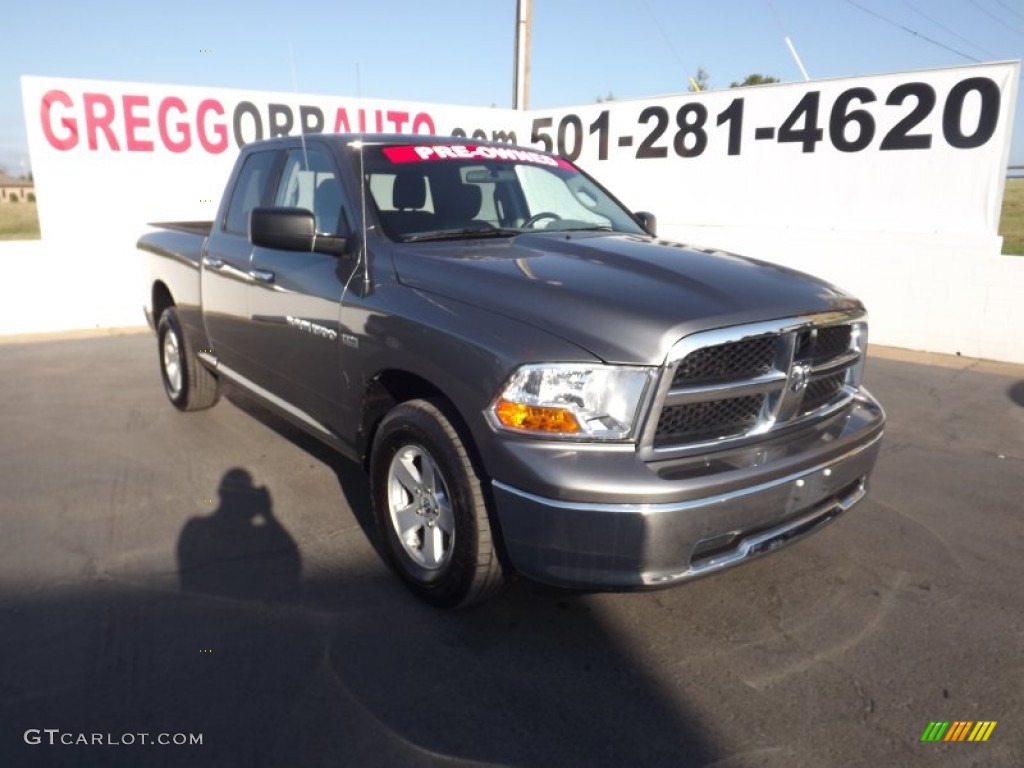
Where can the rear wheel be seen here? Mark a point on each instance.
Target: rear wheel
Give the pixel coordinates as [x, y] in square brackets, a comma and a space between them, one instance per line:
[431, 509]
[189, 385]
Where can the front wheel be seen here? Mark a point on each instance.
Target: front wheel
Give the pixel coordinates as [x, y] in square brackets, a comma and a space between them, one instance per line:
[431, 509]
[188, 384]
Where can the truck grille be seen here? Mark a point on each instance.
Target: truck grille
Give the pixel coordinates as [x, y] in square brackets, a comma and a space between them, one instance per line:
[708, 420]
[750, 357]
[721, 387]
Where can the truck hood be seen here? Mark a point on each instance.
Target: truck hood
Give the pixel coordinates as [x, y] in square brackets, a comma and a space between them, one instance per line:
[623, 298]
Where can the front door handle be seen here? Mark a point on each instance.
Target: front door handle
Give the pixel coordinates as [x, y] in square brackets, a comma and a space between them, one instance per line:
[262, 275]
[213, 262]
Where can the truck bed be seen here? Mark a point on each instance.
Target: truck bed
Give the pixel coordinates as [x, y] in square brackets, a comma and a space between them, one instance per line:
[192, 227]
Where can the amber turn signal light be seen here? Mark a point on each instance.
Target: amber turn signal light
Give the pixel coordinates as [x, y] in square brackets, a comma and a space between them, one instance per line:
[536, 418]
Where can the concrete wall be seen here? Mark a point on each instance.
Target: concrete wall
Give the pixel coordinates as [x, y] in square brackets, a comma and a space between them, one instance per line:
[935, 297]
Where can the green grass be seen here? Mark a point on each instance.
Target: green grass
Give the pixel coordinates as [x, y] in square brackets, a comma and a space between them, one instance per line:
[1011, 223]
[19, 221]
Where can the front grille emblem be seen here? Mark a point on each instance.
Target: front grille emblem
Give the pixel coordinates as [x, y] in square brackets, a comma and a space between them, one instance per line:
[799, 376]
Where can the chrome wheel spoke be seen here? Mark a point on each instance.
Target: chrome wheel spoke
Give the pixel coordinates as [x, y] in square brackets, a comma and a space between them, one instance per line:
[433, 546]
[406, 520]
[445, 515]
[429, 477]
[406, 473]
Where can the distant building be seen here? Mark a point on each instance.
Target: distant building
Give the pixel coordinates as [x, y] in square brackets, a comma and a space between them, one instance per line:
[16, 189]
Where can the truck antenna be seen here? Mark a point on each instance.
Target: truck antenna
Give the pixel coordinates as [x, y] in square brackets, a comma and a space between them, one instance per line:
[295, 90]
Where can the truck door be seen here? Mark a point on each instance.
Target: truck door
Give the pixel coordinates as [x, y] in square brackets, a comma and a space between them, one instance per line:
[226, 266]
[295, 297]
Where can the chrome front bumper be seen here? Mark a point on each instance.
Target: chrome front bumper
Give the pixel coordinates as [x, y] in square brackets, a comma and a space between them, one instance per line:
[637, 545]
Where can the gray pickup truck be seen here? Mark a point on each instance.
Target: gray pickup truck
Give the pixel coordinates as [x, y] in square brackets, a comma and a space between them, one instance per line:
[535, 383]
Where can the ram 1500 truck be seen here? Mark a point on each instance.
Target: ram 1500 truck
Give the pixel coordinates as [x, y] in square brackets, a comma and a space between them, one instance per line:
[535, 383]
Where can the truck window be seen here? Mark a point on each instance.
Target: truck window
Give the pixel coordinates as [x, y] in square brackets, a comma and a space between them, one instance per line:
[571, 198]
[309, 180]
[488, 196]
[476, 188]
[248, 194]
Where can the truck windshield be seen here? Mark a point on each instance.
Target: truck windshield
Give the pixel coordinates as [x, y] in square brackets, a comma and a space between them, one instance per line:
[451, 191]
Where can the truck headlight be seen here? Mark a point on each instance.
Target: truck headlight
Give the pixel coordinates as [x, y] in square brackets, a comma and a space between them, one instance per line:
[568, 400]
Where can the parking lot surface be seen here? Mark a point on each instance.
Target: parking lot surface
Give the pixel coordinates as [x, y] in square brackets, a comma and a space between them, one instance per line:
[167, 575]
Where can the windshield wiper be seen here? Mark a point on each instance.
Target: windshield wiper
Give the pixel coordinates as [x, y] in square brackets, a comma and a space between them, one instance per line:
[586, 228]
[466, 233]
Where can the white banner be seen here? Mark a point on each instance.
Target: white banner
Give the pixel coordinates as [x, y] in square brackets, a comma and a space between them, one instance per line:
[106, 153]
[912, 152]
[890, 185]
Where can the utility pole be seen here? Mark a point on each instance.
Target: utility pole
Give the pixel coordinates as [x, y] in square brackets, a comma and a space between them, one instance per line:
[521, 77]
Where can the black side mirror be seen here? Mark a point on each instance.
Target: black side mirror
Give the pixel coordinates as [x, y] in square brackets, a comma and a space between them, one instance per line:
[287, 229]
[648, 221]
[291, 229]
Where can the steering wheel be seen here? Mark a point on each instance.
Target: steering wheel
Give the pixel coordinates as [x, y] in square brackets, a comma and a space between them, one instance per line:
[540, 217]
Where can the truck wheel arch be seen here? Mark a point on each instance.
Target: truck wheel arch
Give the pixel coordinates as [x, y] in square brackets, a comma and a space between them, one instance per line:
[449, 550]
[160, 300]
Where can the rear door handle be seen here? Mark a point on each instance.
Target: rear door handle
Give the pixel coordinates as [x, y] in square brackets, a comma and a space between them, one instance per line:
[213, 262]
[262, 275]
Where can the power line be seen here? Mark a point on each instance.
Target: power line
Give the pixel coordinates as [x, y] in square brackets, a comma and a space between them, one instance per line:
[908, 29]
[788, 41]
[991, 15]
[1018, 15]
[950, 31]
[664, 36]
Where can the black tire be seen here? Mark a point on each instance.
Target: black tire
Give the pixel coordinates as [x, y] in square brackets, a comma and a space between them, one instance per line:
[450, 569]
[189, 385]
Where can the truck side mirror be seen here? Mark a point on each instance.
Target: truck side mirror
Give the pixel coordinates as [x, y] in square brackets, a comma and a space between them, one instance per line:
[648, 221]
[286, 229]
[291, 229]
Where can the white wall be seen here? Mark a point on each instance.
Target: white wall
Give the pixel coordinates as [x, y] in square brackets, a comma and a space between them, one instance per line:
[911, 230]
[935, 293]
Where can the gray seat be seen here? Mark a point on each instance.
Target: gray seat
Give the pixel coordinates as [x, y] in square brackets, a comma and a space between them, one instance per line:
[408, 196]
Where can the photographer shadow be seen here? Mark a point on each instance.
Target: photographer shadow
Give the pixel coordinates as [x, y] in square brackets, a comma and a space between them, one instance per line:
[240, 551]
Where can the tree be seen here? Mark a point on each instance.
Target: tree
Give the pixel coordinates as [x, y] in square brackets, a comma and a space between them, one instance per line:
[602, 99]
[755, 79]
[699, 80]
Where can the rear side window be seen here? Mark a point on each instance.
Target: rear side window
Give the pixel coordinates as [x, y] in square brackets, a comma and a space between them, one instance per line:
[249, 188]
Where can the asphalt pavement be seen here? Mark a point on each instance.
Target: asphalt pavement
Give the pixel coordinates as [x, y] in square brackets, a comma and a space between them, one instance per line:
[209, 577]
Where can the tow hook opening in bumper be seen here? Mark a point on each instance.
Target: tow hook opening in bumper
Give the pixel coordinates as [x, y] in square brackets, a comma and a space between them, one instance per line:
[731, 549]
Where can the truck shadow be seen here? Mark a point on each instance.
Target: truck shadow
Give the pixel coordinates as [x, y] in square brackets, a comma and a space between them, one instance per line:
[275, 658]
[1016, 393]
[344, 667]
[351, 479]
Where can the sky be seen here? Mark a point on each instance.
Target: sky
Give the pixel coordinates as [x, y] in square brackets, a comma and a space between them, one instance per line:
[456, 52]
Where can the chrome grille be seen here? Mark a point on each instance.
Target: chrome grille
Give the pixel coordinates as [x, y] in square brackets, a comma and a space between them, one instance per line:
[729, 385]
[821, 391]
[735, 359]
[707, 420]
[830, 342]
